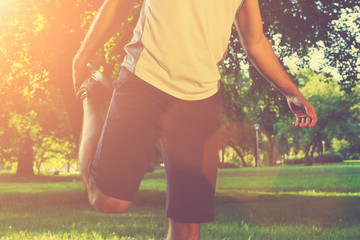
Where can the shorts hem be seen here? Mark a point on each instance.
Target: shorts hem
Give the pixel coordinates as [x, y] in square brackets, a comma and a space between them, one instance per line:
[108, 191]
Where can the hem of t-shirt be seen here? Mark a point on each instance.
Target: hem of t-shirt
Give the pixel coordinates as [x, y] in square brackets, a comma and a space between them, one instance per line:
[187, 97]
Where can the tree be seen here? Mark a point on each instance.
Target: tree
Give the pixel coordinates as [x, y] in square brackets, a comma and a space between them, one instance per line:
[54, 152]
[296, 26]
[234, 131]
[253, 100]
[30, 105]
[334, 109]
[340, 146]
[38, 40]
[239, 136]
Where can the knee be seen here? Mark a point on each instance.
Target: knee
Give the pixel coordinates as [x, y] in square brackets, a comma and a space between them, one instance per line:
[107, 204]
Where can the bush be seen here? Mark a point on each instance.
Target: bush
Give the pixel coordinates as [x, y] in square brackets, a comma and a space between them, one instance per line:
[329, 158]
[227, 165]
[294, 161]
[325, 158]
[355, 156]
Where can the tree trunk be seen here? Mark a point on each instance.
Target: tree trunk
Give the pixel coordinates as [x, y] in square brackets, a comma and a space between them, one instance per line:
[313, 151]
[271, 149]
[242, 160]
[315, 142]
[223, 156]
[26, 159]
[308, 159]
[296, 145]
[38, 167]
[73, 108]
[243, 163]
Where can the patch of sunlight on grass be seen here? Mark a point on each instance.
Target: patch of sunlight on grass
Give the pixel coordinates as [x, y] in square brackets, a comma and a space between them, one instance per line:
[352, 161]
[313, 193]
[64, 236]
[305, 193]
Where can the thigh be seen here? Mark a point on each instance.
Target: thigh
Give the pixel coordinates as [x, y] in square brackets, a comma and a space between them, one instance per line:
[190, 140]
[127, 142]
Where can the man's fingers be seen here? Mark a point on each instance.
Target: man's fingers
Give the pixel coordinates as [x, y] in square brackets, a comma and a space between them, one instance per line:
[310, 110]
[297, 122]
[305, 122]
[313, 122]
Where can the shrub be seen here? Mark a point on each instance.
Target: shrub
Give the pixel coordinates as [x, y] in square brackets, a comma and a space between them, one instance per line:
[329, 158]
[355, 156]
[294, 161]
[325, 158]
[227, 165]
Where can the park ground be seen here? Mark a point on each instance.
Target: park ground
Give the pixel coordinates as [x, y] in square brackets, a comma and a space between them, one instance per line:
[287, 202]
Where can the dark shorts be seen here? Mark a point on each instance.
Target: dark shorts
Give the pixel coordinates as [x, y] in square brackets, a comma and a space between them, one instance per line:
[140, 114]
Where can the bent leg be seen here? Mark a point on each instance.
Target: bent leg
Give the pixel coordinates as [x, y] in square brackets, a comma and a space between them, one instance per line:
[117, 153]
[92, 126]
[183, 231]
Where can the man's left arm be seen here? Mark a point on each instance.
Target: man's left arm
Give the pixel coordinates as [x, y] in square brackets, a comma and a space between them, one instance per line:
[249, 25]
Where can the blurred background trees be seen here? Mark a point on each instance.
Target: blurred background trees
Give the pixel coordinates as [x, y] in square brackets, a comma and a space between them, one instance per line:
[40, 121]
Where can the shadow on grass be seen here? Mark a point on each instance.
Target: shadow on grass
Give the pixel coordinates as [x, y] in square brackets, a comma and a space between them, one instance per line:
[265, 210]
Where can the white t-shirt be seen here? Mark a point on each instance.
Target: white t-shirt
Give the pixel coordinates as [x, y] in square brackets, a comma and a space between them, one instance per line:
[177, 45]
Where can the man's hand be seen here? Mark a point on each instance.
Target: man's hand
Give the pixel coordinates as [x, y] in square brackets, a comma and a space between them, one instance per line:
[303, 110]
[79, 72]
[109, 18]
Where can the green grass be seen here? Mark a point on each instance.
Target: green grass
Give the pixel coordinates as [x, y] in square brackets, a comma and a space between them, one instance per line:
[290, 202]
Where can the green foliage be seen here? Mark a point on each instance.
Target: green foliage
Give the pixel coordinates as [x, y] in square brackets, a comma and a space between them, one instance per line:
[38, 40]
[25, 124]
[333, 107]
[355, 156]
[324, 158]
[35, 49]
[295, 27]
[248, 101]
[230, 156]
[329, 158]
[340, 146]
[54, 153]
[294, 161]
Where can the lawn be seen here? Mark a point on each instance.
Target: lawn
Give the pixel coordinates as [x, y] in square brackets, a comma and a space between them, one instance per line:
[289, 202]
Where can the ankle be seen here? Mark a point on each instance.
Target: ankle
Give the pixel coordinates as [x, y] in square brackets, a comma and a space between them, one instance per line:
[183, 231]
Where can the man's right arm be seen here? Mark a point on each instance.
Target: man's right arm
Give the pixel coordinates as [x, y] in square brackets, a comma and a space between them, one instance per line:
[108, 20]
[249, 24]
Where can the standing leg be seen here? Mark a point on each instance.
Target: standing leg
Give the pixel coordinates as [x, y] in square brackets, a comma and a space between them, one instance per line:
[190, 143]
[92, 127]
[183, 231]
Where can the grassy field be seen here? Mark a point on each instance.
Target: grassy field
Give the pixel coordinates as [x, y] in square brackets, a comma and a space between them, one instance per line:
[289, 202]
